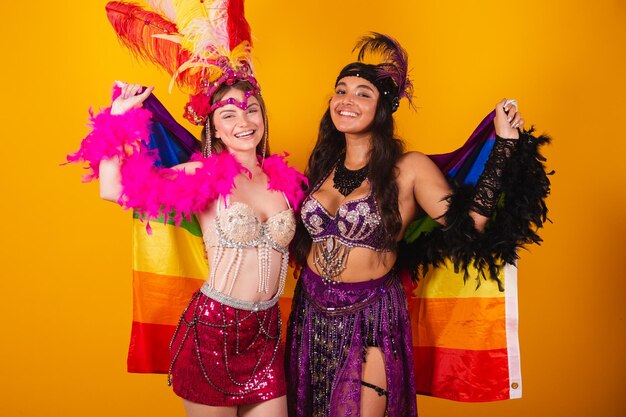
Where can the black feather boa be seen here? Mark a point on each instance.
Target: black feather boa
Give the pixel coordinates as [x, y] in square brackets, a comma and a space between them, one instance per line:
[521, 212]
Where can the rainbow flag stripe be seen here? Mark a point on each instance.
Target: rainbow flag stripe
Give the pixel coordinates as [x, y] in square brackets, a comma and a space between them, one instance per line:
[168, 267]
[465, 338]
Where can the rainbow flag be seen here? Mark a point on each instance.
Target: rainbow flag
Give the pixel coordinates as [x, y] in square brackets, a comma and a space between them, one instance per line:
[169, 263]
[168, 267]
[465, 337]
[465, 342]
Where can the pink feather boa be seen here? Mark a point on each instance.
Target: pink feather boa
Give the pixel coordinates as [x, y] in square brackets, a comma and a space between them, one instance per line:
[284, 178]
[156, 191]
[153, 191]
[110, 136]
[160, 191]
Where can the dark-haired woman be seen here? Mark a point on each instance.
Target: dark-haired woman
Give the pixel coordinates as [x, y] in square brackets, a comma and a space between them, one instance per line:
[349, 350]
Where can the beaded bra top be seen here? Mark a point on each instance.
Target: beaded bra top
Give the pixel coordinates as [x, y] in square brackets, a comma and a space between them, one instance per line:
[357, 223]
[238, 228]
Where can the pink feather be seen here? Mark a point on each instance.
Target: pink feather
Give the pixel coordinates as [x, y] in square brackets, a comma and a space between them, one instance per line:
[154, 191]
[284, 178]
[111, 135]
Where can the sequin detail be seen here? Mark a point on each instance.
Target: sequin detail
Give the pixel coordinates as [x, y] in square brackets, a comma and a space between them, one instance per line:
[224, 356]
[330, 328]
[224, 350]
[357, 223]
[238, 228]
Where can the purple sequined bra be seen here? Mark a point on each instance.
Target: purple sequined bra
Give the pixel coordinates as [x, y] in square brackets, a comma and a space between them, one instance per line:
[357, 223]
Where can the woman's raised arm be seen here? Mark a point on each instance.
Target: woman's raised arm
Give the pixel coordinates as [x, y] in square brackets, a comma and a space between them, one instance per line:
[131, 96]
[431, 189]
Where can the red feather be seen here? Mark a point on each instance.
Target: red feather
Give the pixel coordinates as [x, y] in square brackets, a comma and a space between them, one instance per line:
[135, 26]
[238, 27]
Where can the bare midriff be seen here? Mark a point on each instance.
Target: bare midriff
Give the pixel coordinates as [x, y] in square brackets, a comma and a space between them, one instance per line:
[362, 265]
[246, 283]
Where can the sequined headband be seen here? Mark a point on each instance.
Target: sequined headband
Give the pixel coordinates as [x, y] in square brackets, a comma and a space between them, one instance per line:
[385, 85]
[199, 106]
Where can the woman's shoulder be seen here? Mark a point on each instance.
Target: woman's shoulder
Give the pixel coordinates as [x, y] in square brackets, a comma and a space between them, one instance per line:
[415, 166]
[413, 160]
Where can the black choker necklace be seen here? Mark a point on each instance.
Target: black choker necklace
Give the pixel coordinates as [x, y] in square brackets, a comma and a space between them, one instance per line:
[345, 180]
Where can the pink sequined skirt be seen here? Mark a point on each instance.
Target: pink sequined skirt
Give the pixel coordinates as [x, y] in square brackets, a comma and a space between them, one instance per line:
[225, 356]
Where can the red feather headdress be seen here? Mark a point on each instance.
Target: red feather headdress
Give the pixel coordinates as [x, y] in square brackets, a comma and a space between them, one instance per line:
[200, 43]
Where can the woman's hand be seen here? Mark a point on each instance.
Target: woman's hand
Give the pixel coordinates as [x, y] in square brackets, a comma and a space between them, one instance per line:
[131, 97]
[508, 120]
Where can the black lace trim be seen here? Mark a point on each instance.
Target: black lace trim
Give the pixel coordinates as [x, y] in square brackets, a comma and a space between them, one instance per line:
[490, 182]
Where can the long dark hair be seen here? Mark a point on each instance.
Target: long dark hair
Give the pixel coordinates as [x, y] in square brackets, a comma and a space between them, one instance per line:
[385, 152]
[217, 145]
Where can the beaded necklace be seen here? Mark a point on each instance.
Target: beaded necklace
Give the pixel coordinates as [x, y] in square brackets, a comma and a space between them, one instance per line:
[346, 180]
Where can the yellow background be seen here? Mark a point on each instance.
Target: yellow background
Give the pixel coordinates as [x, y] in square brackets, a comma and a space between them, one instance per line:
[65, 286]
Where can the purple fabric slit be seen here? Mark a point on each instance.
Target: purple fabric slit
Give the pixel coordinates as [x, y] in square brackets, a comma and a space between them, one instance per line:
[330, 327]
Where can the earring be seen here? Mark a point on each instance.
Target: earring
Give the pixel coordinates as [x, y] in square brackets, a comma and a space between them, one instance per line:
[206, 150]
[265, 136]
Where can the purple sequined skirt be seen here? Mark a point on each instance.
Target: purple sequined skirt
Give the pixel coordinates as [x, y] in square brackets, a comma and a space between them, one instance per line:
[330, 326]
